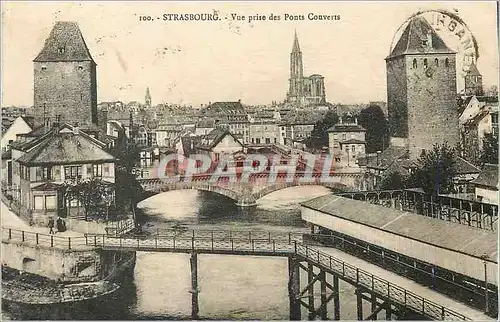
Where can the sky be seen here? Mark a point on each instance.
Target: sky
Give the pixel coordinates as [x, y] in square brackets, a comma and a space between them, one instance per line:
[195, 62]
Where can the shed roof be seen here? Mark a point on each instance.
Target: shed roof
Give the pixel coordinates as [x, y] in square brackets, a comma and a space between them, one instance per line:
[452, 236]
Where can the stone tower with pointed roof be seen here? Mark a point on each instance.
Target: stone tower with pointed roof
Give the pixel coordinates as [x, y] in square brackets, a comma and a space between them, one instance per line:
[421, 90]
[147, 98]
[65, 79]
[473, 81]
[303, 90]
[296, 71]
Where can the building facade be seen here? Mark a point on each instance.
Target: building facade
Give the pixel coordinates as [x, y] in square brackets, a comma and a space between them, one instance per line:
[346, 141]
[42, 166]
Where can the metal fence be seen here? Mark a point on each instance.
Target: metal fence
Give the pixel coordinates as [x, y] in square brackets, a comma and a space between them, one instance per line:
[243, 242]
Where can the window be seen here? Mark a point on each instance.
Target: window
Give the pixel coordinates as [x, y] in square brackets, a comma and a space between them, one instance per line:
[72, 172]
[494, 118]
[80, 67]
[425, 63]
[97, 170]
[46, 173]
[344, 136]
[50, 202]
[38, 202]
[61, 50]
[73, 202]
[217, 156]
[414, 63]
[268, 140]
[44, 68]
[436, 62]
[257, 140]
[353, 148]
[446, 62]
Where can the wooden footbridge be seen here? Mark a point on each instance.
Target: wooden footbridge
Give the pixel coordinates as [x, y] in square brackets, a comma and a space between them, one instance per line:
[320, 268]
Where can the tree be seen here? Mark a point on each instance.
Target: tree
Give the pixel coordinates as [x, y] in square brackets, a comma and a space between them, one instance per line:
[373, 120]
[489, 153]
[319, 135]
[127, 186]
[435, 171]
[393, 181]
[92, 194]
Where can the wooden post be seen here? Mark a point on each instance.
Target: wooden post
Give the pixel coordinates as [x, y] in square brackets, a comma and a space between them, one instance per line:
[374, 304]
[323, 312]
[310, 291]
[388, 312]
[336, 298]
[294, 289]
[194, 286]
[359, 301]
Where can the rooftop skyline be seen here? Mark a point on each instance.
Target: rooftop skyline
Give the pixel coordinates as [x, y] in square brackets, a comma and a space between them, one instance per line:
[200, 62]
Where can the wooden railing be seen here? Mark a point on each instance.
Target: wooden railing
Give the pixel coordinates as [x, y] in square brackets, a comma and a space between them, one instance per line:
[244, 243]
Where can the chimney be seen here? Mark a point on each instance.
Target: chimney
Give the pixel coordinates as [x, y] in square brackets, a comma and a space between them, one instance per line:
[76, 128]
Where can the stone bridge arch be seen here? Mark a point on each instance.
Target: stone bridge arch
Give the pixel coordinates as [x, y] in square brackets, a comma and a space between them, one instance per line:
[154, 187]
[284, 185]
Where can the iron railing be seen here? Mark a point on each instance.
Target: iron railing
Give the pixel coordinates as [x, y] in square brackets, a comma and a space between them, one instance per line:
[245, 242]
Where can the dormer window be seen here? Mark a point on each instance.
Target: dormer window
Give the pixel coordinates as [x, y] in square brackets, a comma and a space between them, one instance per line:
[61, 50]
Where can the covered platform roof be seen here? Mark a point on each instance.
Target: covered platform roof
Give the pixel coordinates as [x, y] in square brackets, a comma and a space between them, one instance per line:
[452, 236]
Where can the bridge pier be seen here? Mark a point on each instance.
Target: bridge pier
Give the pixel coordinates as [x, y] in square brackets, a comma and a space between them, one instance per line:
[194, 286]
[245, 203]
[294, 288]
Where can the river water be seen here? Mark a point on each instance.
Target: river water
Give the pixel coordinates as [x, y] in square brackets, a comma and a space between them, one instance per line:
[231, 287]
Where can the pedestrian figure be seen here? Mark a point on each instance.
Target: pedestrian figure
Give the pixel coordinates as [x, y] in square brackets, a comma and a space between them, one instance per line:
[60, 226]
[51, 225]
[433, 277]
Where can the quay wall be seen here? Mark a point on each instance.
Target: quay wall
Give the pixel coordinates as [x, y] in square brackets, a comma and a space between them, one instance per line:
[63, 265]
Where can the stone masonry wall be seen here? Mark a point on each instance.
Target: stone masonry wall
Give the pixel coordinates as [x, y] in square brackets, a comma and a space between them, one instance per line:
[66, 88]
[432, 106]
[397, 97]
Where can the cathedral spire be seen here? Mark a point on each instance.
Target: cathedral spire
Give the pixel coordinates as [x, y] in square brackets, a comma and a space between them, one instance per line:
[296, 47]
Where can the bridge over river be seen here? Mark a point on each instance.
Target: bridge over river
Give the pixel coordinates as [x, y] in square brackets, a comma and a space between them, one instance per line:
[246, 191]
[320, 266]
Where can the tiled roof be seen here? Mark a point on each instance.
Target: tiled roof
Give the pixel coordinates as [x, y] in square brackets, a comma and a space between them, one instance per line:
[346, 128]
[464, 167]
[65, 146]
[387, 157]
[412, 38]
[226, 108]
[473, 71]
[488, 176]
[65, 43]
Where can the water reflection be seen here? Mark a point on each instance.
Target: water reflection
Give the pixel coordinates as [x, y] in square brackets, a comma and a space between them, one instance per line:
[231, 287]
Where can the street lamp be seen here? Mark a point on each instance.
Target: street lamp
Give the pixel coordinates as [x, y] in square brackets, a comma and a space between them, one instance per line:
[485, 257]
